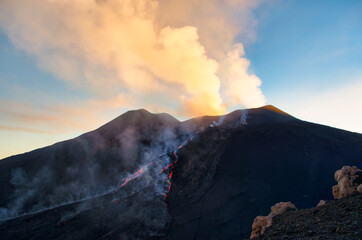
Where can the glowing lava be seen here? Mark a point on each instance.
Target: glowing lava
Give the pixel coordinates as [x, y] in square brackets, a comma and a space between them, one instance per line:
[139, 172]
[165, 168]
[133, 176]
[169, 178]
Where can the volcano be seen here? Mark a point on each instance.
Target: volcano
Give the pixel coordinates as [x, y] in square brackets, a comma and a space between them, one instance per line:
[150, 176]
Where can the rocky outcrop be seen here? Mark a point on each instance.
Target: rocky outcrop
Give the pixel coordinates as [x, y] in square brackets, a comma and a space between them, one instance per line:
[359, 188]
[349, 181]
[262, 222]
[321, 203]
[338, 219]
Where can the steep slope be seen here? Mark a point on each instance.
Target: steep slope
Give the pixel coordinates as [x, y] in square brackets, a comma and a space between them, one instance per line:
[234, 172]
[87, 165]
[230, 169]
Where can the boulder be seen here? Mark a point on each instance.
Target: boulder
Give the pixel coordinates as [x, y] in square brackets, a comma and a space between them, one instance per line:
[348, 179]
[259, 226]
[321, 203]
[359, 188]
[261, 222]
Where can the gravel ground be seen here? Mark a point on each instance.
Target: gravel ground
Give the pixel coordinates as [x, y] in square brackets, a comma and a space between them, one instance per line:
[337, 219]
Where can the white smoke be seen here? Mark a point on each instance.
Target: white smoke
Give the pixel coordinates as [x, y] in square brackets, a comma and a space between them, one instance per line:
[150, 186]
[244, 117]
[157, 54]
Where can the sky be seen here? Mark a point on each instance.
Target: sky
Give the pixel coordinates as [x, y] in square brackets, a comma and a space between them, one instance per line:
[70, 66]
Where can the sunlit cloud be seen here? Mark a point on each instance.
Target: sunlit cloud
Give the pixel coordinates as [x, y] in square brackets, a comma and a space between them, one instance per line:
[49, 119]
[140, 52]
[22, 129]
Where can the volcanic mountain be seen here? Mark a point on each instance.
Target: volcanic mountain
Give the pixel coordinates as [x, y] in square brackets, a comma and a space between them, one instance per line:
[150, 176]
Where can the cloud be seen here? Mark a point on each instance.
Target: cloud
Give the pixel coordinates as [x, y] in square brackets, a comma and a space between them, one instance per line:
[21, 129]
[48, 119]
[240, 86]
[162, 54]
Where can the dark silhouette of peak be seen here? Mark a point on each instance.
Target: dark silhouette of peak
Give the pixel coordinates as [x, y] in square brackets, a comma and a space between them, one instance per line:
[263, 115]
[140, 119]
[144, 115]
[274, 109]
[217, 173]
[253, 117]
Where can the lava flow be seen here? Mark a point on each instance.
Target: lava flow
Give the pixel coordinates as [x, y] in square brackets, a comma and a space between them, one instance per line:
[133, 176]
[169, 178]
[139, 172]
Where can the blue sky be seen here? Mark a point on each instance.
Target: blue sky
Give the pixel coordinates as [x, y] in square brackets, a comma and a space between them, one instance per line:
[308, 55]
[307, 44]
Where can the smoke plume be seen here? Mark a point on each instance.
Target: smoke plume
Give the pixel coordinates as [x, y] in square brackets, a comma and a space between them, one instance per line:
[160, 55]
[91, 172]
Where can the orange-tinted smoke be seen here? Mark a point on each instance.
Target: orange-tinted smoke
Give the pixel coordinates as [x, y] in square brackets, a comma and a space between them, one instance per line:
[138, 50]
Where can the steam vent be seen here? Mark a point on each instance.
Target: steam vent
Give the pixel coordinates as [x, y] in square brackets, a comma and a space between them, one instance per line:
[150, 176]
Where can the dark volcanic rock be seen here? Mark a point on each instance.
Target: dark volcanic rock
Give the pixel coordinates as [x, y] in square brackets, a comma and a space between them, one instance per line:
[91, 162]
[224, 177]
[60, 182]
[253, 167]
[337, 219]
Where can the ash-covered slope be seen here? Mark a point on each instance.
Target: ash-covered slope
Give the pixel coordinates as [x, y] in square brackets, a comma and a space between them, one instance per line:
[43, 189]
[226, 173]
[86, 166]
[234, 172]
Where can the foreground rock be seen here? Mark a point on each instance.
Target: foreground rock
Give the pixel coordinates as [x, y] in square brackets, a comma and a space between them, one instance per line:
[261, 222]
[349, 181]
[321, 203]
[337, 219]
